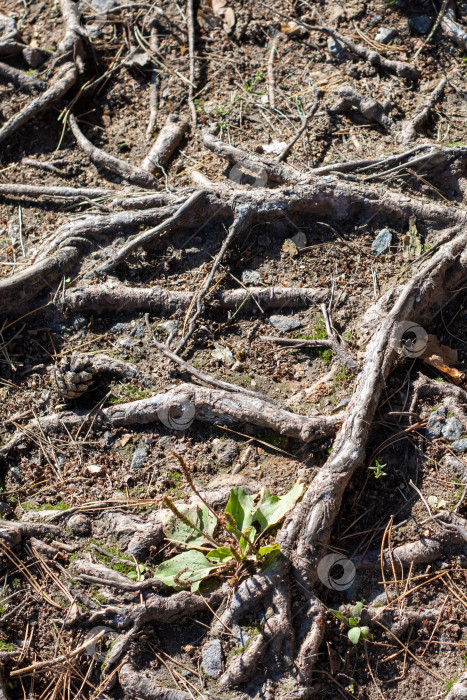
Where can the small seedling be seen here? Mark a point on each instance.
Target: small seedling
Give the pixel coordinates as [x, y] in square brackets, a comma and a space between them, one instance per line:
[436, 503]
[356, 631]
[378, 470]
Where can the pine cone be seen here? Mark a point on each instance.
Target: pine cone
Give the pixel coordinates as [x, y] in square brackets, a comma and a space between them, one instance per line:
[73, 377]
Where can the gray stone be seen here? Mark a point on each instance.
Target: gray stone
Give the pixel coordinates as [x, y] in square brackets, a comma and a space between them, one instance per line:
[285, 323]
[242, 637]
[120, 328]
[80, 524]
[420, 24]
[459, 446]
[225, 451]
[251, 277]
[382, 241]
[300, 240]
[108, 439]
[376, 19]
[139, 456]
[335, 48]
[452, 429]
[385, 34]
[5, 508]
[212, 659]
[104, 5]
[79, 322]
[435, 423]
[165, 440]
[34, 57]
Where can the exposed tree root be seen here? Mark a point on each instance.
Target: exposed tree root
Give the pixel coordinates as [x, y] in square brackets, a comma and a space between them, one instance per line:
[137, 176]
[22, 80]
[65, 79]
[112, 295]
[167, 141]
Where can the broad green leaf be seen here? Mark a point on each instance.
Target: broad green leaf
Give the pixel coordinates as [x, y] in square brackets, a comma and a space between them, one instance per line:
[271, 509]
[262, 551]
[357, 611]
[353, 622]
[354, 635]
[222, 555]
[365, 632]
[185, 569]
[132, 574]
[199, 515]
[241, 507]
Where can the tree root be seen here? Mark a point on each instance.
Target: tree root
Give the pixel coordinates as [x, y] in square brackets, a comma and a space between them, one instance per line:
[453, 29]
[369, 108]
[74, 194]
[210, 405]
[162, 302]
[137, 176]
[25, 82]
[168, 140]
[65, 79]
[142, 686]
[412, 128]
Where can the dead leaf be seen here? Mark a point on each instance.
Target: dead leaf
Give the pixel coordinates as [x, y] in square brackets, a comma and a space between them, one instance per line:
[290, 248]
[438, 362]
[433, 347]
[124, 440]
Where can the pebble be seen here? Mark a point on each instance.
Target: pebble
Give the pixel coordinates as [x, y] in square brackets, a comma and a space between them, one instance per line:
[420, 24]
[139, 456]
[251, 277]
[225, 451]
[385, 34]
[93, 468]
[238, 366]
[459, 446]
[80, 524]
[300, 240]
[212, 659]
[335, 48]
[435, 423]
[376, 19]
[382, 242]
[452, 429]
[285, 323]
[108, 439]
[34, 57]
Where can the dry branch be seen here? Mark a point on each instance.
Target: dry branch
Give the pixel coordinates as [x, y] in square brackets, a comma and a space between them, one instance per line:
[72, 43]
[137, 176]
[371, 109]
[66, 78]
[452, 28]
[74, 194]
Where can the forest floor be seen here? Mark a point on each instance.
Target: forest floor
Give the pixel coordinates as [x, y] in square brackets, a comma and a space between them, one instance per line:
[114, 477]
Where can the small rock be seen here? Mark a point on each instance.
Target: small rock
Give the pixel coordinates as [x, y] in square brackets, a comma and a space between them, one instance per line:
[93, 468]
[238, 366]
[104, 5]
[435, 423]
[335, 48]
[33, 57]
[263, 240]
[120, 328]
[274, 147]
[212, 659]
[285, 323]
[225, 451]
[376, 19]
[300, 240]
[382, 241]
[126, 342]
[165, 440]
[79, 322]
[251, 277]
[452, 429]
[420, 24]
[108, 439]
[459, 446]
[385, 34]
[80, 524]
[139, 456]
[242, 638]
